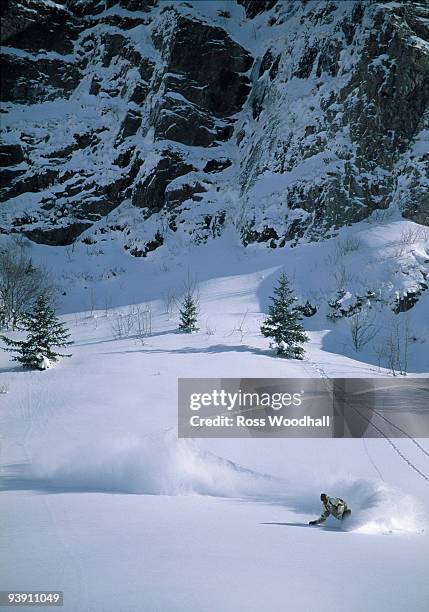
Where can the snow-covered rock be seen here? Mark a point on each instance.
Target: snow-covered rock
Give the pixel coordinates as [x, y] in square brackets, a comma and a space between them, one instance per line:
[287, 119]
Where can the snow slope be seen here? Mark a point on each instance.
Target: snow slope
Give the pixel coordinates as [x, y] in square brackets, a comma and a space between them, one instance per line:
[102, 500]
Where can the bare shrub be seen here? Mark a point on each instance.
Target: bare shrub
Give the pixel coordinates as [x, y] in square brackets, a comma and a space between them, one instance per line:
[362, 329]
[400, 250]
[170, 301]
[91, 301]
[143, 319]
[348, 245]
[343, 277]
[122, 325]
[393, 352]
[107, 304]
[408, 238]
[136, 322]
[21, 282]
[69, 251]
[210, 331]
[381, 214]
[411, 235]
[240, 329]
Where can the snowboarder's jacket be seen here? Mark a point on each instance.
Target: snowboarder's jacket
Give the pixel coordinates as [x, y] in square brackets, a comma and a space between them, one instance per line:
[335, 506]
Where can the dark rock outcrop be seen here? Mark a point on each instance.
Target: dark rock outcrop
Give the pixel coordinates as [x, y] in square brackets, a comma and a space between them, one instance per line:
[28, 81]
[255, 7]
[57, 236]
[10, 155]
[36, 26]
[202, 87]
[217, 165]
[150, 193]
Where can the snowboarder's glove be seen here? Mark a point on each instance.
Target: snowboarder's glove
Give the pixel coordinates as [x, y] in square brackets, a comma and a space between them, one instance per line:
[312, 523]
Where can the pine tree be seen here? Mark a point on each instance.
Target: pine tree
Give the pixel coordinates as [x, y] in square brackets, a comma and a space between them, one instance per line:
[188, 314]
[44, 332]
[282, 323]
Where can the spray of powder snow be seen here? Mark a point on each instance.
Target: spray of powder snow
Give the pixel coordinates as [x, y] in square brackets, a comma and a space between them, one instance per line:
[164, 465]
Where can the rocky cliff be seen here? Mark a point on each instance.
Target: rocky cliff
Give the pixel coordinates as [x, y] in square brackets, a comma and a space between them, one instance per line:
[288, 119]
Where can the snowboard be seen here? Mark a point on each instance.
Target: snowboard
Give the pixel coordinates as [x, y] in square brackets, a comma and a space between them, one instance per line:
[345, 518]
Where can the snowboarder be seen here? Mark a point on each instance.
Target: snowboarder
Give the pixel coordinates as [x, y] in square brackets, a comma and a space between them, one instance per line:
[332, 505]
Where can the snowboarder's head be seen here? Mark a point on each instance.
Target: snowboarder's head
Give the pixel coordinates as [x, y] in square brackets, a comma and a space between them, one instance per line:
[323, 497]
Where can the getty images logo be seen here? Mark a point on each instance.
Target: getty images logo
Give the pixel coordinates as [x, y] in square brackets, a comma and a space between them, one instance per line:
[227, 400]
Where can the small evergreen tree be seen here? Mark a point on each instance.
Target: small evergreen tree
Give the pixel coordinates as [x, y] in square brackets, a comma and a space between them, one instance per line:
[282, 323]
[188, 314]
[44, 332]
